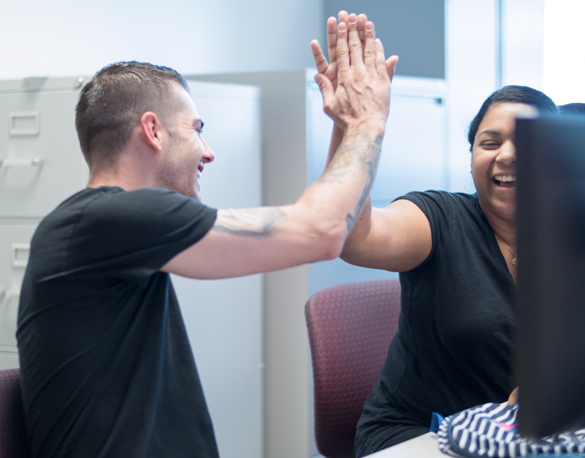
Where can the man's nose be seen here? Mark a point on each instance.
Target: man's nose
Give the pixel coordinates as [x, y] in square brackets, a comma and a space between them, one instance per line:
[208, 155]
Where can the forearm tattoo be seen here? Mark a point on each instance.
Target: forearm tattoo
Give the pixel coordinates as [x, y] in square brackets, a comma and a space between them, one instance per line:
[355, 152]
[248, 222]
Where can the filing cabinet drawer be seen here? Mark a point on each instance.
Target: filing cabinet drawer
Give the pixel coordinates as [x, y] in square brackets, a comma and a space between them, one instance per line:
[41, 163]
[8, 359]
[14, 248]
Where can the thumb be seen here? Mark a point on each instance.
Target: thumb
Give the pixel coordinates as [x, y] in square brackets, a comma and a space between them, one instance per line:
[326, 88]
[391, 66]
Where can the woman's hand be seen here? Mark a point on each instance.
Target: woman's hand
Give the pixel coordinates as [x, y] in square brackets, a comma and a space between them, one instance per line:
[513, 399]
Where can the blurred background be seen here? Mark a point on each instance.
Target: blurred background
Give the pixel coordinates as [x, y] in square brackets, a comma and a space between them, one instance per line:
[253, 357]
[64, 37]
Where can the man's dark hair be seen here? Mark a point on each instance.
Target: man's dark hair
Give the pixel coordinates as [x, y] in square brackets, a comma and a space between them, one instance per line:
[512, 94]
[111, 104]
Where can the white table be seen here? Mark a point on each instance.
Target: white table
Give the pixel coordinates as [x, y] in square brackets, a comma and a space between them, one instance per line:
[424, 446]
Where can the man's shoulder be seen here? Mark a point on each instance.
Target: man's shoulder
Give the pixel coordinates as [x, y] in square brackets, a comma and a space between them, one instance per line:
[112, 207]
[111, 199]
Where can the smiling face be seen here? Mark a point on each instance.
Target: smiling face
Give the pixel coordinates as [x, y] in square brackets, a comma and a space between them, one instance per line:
[493, 160]
[186, 153]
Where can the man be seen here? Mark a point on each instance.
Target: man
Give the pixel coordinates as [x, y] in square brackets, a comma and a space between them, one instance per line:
[106, 366]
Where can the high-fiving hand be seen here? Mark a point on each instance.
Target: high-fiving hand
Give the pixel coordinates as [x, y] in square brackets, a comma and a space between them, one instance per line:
[330, 69]
[356, 84]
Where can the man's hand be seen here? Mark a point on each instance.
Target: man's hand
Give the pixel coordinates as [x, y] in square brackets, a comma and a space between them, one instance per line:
[249, 241]
[330, 69]
[362, 96]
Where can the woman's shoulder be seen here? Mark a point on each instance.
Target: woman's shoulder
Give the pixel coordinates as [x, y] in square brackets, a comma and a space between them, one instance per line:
[444, 202]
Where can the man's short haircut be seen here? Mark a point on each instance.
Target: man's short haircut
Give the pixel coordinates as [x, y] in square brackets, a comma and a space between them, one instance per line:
[111, 104]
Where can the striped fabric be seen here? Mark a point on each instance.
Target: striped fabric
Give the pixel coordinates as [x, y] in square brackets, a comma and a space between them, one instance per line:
[490, 431]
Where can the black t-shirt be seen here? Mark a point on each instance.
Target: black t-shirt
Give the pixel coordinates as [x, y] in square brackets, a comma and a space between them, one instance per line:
[106, 366]
[453, 348]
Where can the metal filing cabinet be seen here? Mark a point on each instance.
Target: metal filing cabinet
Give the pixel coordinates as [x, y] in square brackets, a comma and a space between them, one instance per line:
[40, 166]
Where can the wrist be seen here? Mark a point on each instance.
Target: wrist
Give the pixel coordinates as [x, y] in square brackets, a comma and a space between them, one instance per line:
[371, 128]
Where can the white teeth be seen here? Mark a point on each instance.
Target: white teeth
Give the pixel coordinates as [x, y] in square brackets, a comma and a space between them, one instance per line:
[506, 178]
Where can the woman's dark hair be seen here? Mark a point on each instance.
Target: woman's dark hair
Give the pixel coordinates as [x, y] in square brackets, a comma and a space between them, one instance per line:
[512, 94]
[573, 108]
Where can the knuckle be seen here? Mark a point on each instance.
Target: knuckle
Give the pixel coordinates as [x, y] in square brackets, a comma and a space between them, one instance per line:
[342, 52]
[354, 46]
[369, 53]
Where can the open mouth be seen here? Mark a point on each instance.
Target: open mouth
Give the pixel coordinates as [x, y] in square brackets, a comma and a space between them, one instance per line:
[505, 181]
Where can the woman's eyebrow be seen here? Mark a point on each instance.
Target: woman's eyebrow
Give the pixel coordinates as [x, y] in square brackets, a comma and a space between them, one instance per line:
[490, 131]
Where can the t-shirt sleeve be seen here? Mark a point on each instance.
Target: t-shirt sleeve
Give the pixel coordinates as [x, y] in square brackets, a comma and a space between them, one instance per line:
[440, 209]
[131, 235]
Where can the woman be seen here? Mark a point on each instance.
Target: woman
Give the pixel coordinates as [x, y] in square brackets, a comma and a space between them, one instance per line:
[456, 257]
[456, 254]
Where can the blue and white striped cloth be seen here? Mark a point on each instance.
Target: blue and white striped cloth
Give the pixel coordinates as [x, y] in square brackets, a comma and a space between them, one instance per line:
[490, 431]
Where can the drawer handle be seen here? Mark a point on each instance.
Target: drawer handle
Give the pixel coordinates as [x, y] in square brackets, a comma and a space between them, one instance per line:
[10, 294]
[20, 252]
[24, 123]
[34, 162]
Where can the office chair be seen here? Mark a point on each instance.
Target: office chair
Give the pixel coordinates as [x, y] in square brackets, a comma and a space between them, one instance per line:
[350, 327]
[13, 435]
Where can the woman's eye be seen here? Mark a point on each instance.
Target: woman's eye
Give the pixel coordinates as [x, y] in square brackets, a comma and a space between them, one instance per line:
[488, 144]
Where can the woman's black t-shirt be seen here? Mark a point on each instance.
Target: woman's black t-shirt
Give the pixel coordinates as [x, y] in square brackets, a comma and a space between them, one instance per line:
[453, 349]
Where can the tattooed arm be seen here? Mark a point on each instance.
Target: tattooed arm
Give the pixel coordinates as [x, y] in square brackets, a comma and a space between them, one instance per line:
[257, 240]
[397, 238]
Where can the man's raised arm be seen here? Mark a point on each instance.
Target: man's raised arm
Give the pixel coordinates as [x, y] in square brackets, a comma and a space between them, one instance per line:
[249, 241]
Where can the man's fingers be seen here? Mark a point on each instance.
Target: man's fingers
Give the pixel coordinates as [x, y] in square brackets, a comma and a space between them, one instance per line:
[332, 39]
[381, 59]
[370, 52]
[354, 42]
[326, 88]
[320, 60]
[362, 20]
[342, 49]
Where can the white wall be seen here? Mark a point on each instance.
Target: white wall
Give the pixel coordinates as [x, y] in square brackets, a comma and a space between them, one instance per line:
[564, 64]
[522, 48]
[66, 37]
[475, 64]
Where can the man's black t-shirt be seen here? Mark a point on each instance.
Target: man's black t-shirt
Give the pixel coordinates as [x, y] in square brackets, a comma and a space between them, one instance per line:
[454, 343]
[106, 366]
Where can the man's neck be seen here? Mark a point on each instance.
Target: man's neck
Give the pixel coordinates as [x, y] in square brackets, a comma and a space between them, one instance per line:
[125, 174]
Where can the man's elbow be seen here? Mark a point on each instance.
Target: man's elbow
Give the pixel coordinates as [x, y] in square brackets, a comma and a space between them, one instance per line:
[330, 241]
